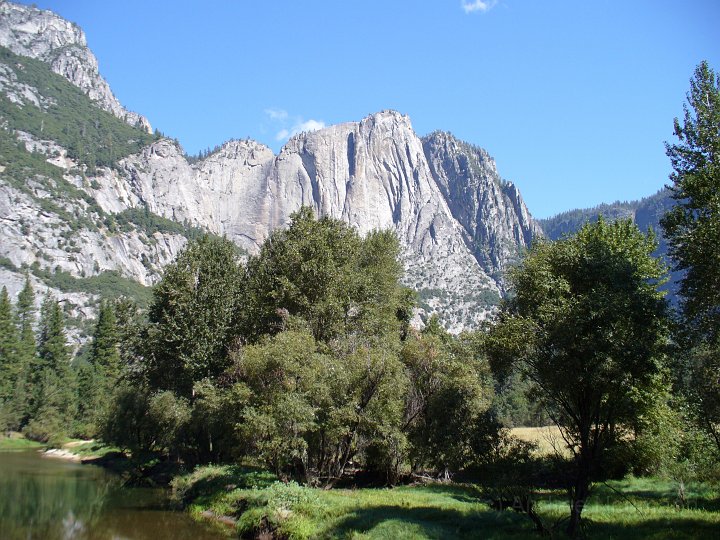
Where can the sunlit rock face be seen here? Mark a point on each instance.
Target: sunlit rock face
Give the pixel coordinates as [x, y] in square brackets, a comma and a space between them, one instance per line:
[459, 224]
[43, 35]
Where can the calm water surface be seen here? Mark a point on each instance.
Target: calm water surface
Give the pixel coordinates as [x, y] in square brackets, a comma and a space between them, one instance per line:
[49, 499]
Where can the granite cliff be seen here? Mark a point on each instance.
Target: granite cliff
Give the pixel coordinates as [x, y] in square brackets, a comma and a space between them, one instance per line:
[45, 36]
[74, 209]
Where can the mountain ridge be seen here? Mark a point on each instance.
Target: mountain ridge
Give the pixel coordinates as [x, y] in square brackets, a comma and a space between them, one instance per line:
[44, 35]
[78, 207]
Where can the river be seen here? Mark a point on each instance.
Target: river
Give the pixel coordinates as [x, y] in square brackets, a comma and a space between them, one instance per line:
[48, 499]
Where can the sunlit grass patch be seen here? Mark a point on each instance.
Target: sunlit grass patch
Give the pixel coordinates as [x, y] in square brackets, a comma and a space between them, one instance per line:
[548, 439]
[16, 441]
[630, 508]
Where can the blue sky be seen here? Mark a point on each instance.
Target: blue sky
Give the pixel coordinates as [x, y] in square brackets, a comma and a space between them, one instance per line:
[573, 98]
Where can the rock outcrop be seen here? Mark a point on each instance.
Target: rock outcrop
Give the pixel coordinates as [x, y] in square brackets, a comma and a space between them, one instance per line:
[495, 222]
[459, 224]
[45, 36]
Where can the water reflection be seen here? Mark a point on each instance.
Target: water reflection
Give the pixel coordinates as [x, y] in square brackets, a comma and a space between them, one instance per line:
[49, 499]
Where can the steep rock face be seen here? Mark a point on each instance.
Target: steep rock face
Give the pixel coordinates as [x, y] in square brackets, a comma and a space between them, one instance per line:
[495, 222]
[454, 230]
[373, 174]
[45, 36]
[458, 223]
[32, 235]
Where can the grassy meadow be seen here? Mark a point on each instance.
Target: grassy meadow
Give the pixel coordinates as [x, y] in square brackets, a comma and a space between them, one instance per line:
[251, 503]
[547, 439]
[13, 440]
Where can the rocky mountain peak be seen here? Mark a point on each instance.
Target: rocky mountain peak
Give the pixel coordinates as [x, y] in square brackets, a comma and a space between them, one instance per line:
[460, 154]
[388, 120]
[37, 33]
[457, 221]
[45, 36]
[495, 221]
[245, 150]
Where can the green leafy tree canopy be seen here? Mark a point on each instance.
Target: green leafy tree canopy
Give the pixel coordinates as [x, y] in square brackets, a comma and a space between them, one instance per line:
[587, 325]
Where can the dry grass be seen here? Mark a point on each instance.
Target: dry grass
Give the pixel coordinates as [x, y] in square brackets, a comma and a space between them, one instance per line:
[548, 439]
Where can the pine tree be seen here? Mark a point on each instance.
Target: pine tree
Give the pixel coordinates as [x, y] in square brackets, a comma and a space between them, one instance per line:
[98, 377]
[105, 355]
[25, 320]
[53, 350]
[55, 400]
[9, 345]
[692, 229]
[692, 226]
[26, 316]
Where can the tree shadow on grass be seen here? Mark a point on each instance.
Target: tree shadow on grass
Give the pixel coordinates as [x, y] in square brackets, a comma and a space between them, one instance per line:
[667, 497]
[459, 492]
[679, 528]
[388, 521]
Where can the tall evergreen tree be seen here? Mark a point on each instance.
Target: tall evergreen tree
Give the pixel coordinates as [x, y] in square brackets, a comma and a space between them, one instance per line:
[104, 353]
[9, 368]
[55, 399]
[98, 376]
[8, 341]
[692, 226]
[53, 350]
[129, 324]
[25, 317]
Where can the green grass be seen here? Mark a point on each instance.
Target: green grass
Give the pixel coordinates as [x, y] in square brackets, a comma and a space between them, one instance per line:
[631, 508]
[17, 442]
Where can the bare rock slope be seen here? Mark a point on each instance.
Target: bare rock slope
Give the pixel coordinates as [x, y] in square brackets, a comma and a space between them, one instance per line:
[459, 226]
[45, 36]
[66, 215]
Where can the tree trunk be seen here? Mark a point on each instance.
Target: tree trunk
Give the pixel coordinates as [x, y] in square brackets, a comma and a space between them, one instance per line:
[580, 493]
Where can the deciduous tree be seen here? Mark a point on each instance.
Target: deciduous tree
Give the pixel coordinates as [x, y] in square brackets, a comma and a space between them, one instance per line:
[587, 325]
[192, 317]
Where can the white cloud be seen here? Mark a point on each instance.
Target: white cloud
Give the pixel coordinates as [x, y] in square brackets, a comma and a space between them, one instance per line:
[287, 125]
[276, 114]
[310, 125]
[471, 6]
[299, 126]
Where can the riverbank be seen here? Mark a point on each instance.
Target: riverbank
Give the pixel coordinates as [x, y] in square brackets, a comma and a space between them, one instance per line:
[251, 503]
[57, 498]
[13, 440]
[143, 470]
[257, 505]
